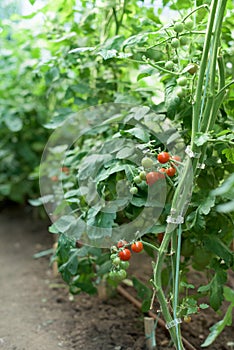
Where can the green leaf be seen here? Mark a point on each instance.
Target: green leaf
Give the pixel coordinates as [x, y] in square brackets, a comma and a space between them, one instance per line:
[91, 165]
[52, 75]
[81, 49]
[226, 207]
[228, 294]
[41, 200]
[113, 168]
[72, 193]
[104, 268]
[114, 43]
[146, 305]
[125, 152]
[229, 153]
[206, 206]
[59, 118]
[146, 73]
[13, 123]
[215, 245]
[139, 133]
[216, 289]
[172, 101]
[142, 290]
[204, 289]
[138, 113]
[107, 54]
[187, 285]
[69, 268]
[136, 39]
[64, 223]
[227, 185]
[32, 2]
[201, 138]
[157, 229]
[217, 328]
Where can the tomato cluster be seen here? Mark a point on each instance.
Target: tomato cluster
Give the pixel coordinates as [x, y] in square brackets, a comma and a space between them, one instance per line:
[163, 158]
[121, 255]
[150, 175]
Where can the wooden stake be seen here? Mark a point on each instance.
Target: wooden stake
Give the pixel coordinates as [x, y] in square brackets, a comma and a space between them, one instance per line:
[160, 322]
[150, 333]
[102, 291]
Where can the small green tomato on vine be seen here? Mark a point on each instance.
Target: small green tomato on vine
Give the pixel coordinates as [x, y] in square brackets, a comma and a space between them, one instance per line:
[147, 162]
[182, 81]
[178, 27]
[133, 190]
[175, 43]
[188, 24]
[169, 65]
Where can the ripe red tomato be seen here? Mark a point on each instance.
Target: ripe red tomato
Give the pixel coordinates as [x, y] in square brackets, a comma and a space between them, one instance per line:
[152, 177]
[125, 254]
[122, 243]
[171, 171]
[163, 157]
[137, 247]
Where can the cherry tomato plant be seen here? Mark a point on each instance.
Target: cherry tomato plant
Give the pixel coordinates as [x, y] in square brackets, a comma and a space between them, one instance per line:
[177, 80]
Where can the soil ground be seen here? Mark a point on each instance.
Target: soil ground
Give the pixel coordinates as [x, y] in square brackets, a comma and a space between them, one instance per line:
[37, 312]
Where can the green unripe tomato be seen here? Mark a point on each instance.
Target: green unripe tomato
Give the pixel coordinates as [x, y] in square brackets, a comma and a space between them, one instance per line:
[116, 261]
[178, 27]
[137, 179]
[175, 60]
[182, 81]
[113, 275]
[189, 24]
[169, 65]
[147, 162]
[124, 265]
[180, 92]
[133, 190]
[175, 43]
[121, 274]
[113, 256]
[143, 175]
[183, 40]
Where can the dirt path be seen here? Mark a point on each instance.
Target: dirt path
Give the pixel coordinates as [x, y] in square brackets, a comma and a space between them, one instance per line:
[25, 321]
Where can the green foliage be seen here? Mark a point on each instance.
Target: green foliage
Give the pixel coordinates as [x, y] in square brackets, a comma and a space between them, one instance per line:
[144, 293]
